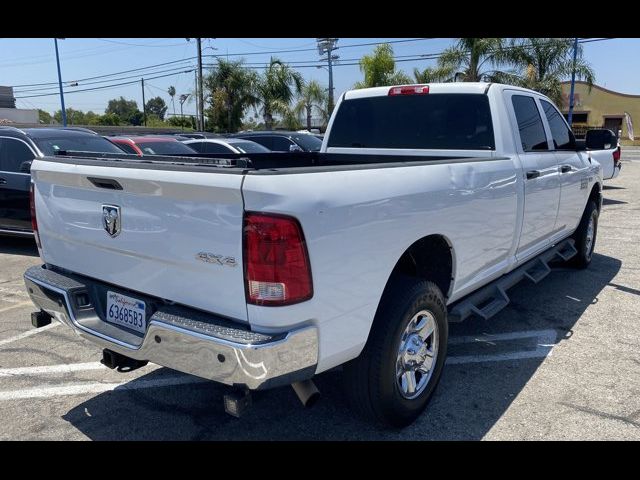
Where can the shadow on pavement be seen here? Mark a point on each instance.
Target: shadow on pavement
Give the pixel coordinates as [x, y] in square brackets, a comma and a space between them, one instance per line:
[610, 201]
[18, 246]
[611, 187]
[471, 398]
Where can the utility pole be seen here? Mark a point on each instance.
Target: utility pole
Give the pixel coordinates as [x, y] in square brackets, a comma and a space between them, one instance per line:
[328, 45]
[64, 111]
[573, 80]
[144, 105]
[200, 94]
[182, 99]
[197, 103]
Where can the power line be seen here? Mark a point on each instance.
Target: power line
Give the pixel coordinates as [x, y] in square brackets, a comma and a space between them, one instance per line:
[105, 86]
[138, 45]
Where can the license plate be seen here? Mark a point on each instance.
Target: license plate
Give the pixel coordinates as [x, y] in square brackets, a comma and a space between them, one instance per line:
[126, 311]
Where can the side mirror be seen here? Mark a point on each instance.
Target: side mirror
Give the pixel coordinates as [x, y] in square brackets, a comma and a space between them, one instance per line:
[25, 167]
[600, 139]
[295, 148]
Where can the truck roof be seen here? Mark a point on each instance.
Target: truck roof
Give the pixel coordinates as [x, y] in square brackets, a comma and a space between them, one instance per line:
[435, 88]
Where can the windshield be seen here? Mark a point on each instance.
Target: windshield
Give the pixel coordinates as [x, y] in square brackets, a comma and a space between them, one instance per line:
[309, 143]
[249, 147]
[164, 148]
[80, 143]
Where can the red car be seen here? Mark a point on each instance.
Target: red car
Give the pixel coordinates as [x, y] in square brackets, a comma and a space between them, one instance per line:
[151, 145]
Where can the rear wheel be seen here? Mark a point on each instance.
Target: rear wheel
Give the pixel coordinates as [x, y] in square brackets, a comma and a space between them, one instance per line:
[585, 236]
[394, 377]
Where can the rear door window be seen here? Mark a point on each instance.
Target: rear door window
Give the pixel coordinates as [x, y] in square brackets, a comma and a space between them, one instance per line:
[530, 125]
[431, 121]
[13, 153]
[563, 138]
[212, 147]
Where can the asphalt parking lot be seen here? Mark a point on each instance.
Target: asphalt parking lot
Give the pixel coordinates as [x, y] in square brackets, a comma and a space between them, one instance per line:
[561, 362]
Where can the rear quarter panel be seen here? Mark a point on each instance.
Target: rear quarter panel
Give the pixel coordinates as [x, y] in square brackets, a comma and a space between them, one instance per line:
[358, 223]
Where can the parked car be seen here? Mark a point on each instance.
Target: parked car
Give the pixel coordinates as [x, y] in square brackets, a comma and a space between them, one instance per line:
[226, 145]
[151, 145]
[18, 148]
[281, 141]
[610, 156]
[425, 205]
[200, 135]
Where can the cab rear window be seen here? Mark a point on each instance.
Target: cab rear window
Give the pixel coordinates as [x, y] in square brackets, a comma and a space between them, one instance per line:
[435, 121]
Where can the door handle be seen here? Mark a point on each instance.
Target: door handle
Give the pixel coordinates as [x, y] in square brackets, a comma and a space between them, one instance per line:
[533, 174]
[3, 181]
[565, 168]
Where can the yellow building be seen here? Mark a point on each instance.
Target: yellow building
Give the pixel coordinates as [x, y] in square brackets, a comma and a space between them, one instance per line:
[602, 108]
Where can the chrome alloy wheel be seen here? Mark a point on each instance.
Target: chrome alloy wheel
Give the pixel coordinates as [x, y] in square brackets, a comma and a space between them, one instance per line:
[417, 354]
[589, 239]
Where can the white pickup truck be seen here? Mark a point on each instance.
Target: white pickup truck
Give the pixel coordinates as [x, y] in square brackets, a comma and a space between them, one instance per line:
[426, 203]
[603, 146]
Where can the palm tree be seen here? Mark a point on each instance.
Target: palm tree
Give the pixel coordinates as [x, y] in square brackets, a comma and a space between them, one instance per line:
[312, 95]
[275, 88]
[433, 75]
[379, 69]
[172, 93]
[545, 62]
[469, 57]
[229, 88]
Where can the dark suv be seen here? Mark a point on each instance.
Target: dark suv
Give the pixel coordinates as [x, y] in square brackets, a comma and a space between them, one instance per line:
[18, 148]
[281, 141]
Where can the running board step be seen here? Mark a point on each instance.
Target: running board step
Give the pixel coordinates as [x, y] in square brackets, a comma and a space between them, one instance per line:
[492, 298]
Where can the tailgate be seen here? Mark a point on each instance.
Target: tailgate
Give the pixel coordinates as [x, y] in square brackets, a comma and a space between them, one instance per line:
[172, 234]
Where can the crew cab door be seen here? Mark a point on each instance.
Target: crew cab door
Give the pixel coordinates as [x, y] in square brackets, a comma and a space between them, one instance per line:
[573, 168]
[14, 184]
[540, 171]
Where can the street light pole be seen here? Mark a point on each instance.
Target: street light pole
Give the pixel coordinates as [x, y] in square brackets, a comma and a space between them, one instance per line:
[64, 112]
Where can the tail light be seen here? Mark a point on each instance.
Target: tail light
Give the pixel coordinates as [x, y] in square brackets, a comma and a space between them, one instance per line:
[616, 156]
[276, 262]
[34, 220]
[409, 90]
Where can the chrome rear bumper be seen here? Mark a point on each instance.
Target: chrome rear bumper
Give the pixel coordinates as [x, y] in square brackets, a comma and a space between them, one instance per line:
[178, 337]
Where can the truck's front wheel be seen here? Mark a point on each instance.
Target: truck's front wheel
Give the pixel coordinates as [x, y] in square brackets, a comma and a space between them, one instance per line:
[396, 374]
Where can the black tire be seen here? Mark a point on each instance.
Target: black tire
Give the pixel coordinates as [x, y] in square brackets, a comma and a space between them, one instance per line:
[580, 236]
[370, 379]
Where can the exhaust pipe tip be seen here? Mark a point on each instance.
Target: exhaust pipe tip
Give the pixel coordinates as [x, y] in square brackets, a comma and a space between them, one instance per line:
[307, 392]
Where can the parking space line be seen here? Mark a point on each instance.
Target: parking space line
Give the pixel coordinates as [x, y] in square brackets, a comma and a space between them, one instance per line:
[28, 333]
[49, 369]
[80, 389]
[545, 341]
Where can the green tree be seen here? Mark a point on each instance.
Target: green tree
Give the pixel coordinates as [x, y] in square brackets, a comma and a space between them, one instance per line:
[312, 96]
[274, 90]
[543, 63]
[470, 59]
[111, 119]
[74, 117]
[172, 93]
[126, 110]
[91, 118]
[379, 69]
[433, 75]
[156, 106]
[44, 117]
[186, 122]
[229, 89]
